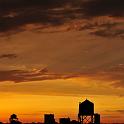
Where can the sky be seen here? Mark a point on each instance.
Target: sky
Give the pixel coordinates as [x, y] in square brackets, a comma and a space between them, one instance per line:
[56, 53]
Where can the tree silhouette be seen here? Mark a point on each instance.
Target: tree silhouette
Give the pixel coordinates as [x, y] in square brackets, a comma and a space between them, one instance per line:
[13, 119]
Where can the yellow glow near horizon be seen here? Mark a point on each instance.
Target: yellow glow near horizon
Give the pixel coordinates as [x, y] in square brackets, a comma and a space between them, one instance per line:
[30, 103]
[33, 107]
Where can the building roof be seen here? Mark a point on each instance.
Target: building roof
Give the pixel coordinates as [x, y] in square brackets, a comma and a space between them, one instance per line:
[86, 102]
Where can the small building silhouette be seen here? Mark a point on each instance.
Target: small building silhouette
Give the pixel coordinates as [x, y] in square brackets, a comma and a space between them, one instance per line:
[64, 120]
[74, 122]
[49, 119]
[97, 118]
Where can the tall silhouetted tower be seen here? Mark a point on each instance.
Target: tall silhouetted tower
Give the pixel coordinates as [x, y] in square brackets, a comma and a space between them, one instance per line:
[86, 113]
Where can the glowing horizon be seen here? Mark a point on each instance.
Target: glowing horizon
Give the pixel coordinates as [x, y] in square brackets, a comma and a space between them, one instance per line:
[31, 107]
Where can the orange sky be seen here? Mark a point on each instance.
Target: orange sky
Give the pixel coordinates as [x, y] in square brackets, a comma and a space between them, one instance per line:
[55, 55]
[55, 78]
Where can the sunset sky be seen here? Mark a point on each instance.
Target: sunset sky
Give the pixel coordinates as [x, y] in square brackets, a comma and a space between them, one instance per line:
[56, 53]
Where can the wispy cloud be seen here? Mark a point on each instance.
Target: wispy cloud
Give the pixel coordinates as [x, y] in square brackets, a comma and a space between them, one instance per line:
[8, 56]
[120, 111]
[34, 75]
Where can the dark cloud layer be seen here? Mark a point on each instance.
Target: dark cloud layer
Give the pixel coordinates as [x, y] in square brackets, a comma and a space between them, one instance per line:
[104, 8]
[15, 14]
[8, 5]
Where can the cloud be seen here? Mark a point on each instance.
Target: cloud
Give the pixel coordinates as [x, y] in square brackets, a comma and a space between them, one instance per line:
[113, 75]
[15, 15]
[89, 81]
[34, 75]
[9, 56]
[105, 29]
[120, 111]
[64, 55]
[109, 33]
[62, 85]
[110, 30]
[119, 84]
[95, 8]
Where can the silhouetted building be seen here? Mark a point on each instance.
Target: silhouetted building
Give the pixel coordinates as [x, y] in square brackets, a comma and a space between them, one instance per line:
[74, 122]
[64, 120]
[86, 113]
[97, 118]
[49, 119]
